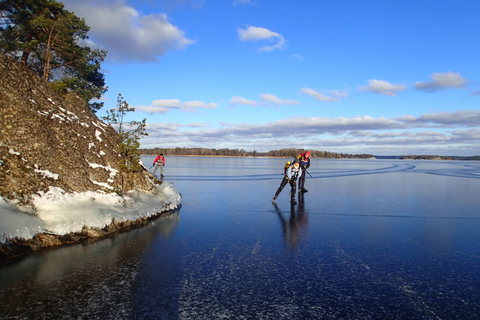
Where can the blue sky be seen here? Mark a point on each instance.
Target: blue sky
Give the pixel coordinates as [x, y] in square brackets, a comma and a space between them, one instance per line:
[379, 77]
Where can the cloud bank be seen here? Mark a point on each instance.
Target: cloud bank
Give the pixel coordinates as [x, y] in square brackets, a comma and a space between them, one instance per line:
[360, 134]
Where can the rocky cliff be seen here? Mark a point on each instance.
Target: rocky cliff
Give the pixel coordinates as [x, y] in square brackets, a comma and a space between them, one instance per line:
[46, 140]
[49, 141]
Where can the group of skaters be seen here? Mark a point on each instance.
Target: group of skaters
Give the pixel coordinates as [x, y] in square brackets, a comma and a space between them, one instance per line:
[295, 171]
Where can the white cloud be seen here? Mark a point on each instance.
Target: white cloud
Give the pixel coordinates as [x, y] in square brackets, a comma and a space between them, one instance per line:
[261, 34]
[152, 109]
[198, 125]
[270, 98]
[165, 105]
[194, 105]
[266, 98]
[339, 93]
[125, 33]
[322, 97]
[242, 101]
[159, 126]
[383, 87]
[448, 80]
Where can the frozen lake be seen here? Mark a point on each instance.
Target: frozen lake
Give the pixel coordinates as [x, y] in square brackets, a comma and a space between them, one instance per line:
[372, 239]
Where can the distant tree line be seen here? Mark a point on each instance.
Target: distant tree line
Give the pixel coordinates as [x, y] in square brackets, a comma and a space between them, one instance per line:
[284, 153]
[430, 157]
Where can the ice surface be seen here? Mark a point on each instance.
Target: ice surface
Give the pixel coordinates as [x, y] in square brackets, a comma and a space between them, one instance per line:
[371, 239]
[61, 213]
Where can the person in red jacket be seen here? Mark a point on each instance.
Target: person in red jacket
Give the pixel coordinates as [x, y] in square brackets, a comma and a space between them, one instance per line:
[159, 162]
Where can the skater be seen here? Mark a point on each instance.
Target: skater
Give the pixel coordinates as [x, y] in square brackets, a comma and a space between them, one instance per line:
[292, 173]
[304, 165]
[159, 162]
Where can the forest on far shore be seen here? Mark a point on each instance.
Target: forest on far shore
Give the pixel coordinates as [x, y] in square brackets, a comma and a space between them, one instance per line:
[284, 153]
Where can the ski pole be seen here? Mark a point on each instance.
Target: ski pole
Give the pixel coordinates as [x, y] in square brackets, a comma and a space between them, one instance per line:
[308, 173]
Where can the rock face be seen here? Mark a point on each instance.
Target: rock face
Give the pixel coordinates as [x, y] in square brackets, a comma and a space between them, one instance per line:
[47, 140]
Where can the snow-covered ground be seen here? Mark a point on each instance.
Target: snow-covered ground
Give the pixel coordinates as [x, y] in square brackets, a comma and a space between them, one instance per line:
[61, 213]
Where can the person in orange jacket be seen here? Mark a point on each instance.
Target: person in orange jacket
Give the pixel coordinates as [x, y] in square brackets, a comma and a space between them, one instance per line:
[159, 162]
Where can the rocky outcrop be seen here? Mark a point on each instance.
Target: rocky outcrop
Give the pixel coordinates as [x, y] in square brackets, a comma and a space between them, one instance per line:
[50, 141]
[46, 140]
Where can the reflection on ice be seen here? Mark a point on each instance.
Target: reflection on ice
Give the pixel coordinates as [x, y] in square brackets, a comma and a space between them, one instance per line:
[294, 223]
[93, 281]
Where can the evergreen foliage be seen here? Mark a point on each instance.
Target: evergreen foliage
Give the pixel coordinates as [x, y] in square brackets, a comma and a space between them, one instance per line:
[46, 37]
[130, 134]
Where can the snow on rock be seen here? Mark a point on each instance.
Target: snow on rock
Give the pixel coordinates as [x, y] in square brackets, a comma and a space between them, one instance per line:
[61, 213]
[14, 223]
[47, 174]
[98, 134]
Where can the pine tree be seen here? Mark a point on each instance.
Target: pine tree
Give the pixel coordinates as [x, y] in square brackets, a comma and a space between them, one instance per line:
[46, 37]
[130, 134]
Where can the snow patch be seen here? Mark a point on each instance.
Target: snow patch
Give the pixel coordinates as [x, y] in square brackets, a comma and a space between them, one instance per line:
[61, 213]
[47, 174]
[97, 134]
[11, 151]
[113, 172]
[60, 117]
[102, 184]
[96, 125]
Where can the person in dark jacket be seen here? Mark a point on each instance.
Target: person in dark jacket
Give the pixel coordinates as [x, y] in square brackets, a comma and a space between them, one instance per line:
[293, 173]
[304, 165]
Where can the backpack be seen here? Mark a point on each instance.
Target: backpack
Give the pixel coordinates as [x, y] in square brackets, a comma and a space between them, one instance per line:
[286, 166]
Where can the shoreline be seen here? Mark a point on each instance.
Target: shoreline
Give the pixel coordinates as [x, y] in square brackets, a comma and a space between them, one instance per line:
[433, 158]
[16, 249]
